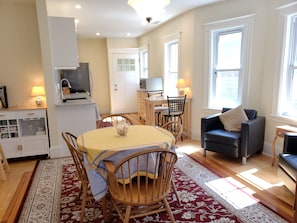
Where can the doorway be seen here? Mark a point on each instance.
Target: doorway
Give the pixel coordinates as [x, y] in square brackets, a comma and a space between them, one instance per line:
[124, 79]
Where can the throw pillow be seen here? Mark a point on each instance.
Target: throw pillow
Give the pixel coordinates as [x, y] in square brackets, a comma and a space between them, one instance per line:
[233, 118]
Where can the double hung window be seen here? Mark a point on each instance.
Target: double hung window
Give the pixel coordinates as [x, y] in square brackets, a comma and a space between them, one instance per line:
[287, 105]
[226, 77]
[227, 62]
[171, 65]
[143, 62]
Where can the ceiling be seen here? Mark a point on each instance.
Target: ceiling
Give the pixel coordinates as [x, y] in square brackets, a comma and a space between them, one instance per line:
[114, 18]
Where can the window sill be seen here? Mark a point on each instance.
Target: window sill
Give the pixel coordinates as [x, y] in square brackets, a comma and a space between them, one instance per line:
[284, 119]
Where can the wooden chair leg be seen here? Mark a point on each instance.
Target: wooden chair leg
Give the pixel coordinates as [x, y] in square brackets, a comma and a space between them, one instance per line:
[175, 191]
[84, 201]
[172, 220]
[2, 172]
[104, 209]
[4, 164]
[127, 214]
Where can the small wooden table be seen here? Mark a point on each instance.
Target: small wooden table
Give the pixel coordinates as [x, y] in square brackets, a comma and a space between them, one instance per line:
[280, 132]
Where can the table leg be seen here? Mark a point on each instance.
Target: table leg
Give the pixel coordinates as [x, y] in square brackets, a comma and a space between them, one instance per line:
[150, 113]
[273, 150]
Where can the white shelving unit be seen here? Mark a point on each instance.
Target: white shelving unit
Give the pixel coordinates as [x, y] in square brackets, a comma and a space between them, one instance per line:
[24, 132]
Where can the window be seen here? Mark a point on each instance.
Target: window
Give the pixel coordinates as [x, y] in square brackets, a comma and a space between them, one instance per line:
[227, 58]
[171, 65]
[143, 62]
[287, 105]
[226, 76]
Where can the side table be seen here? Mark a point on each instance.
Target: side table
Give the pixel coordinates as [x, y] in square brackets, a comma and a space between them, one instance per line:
[279, 132]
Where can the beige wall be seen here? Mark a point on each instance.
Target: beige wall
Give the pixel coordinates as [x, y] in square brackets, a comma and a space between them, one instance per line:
[94, 51]
[20, 54]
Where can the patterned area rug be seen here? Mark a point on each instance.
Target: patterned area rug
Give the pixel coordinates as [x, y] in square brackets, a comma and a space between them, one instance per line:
[205, 197]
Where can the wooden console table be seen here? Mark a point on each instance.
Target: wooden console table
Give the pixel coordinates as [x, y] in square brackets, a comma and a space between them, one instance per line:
[153, 101]
[280, 132]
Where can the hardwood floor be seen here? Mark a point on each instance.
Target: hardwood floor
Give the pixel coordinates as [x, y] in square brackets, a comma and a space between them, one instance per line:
[258, 175]
[14, 188]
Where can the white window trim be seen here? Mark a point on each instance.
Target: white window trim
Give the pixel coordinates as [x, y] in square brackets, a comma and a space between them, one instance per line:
[166, 40]
[141, 49]
[284, 13]
[244, 22]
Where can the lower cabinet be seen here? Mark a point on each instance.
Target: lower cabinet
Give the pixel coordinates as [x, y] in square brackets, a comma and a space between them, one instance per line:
[141, 96]
[24, 132]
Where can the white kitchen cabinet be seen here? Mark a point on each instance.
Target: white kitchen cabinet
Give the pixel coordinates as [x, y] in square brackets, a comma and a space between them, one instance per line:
[63, 42]
[24, 132]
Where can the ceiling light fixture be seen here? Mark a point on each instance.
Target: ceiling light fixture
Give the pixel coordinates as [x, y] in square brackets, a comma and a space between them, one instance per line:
[148, 9]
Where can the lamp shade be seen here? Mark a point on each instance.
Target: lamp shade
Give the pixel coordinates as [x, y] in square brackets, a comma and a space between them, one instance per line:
[148, 8]
[181, 83]
[37, 91]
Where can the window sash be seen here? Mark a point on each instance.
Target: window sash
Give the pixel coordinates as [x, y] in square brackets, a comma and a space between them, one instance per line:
[171, 66]
[144, 64]
[289, 97]
[226, 79]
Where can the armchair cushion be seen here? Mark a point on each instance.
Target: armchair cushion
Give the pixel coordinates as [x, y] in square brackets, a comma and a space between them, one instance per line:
[288, 162]
[233, 118]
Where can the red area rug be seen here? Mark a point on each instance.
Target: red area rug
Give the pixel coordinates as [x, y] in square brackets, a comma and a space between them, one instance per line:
[197, 205]
[205, 197]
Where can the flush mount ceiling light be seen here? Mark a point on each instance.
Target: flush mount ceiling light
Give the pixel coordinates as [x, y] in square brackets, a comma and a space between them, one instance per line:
[148, 9]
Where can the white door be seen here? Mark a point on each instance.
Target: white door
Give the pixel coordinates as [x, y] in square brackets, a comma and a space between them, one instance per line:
[124, 80]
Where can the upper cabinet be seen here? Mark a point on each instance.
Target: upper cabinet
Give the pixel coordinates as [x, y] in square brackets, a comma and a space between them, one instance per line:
[63, 42]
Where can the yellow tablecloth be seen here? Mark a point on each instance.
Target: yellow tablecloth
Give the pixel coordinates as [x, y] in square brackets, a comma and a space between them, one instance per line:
[107, 141]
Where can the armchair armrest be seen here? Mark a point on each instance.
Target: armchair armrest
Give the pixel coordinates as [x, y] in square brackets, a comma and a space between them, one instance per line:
[208, 123]
[252, 133]
[290, 143]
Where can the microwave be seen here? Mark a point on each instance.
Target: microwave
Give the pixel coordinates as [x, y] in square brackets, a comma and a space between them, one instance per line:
[151, 84]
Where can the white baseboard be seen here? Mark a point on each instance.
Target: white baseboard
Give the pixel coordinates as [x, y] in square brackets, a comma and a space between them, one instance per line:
[58, 152]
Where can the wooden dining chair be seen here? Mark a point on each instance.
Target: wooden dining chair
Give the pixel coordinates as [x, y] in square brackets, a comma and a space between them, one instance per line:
[139, 184]
[82, 175]
[176, 129]
[176, 108]
[3, 164]
[113, 120]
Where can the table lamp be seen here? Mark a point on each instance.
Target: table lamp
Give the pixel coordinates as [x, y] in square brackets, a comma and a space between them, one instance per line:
[38, 92]
[181, 87]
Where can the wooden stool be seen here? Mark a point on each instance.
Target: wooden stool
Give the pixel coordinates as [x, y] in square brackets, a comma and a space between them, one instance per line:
[3, 164]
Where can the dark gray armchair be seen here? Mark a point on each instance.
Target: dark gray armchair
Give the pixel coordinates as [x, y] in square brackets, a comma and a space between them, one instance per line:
[287, 164]
[235, 144]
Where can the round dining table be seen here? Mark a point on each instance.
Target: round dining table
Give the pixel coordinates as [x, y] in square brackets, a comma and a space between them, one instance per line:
[104, 144]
